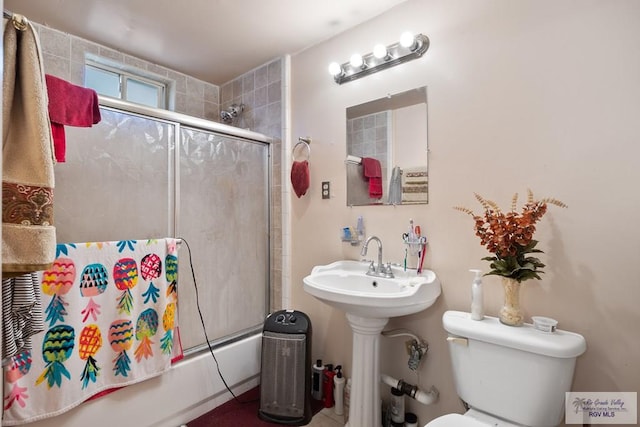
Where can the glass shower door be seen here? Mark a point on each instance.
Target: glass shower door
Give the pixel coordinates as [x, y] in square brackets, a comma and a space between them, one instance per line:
[115, 183]
[124, 180]
[224, 216]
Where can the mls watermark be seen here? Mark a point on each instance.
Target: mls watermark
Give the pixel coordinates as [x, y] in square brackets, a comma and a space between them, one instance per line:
[582, 407]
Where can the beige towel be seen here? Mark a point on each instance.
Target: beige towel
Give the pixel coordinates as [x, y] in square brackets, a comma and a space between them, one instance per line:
[415, 185]
[28, 235]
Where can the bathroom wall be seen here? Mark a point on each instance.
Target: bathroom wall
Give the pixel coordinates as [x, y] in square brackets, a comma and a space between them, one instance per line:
[527, 94]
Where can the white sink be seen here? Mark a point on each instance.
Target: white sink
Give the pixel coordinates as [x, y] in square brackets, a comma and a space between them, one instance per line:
[345, 285]
[369, 302]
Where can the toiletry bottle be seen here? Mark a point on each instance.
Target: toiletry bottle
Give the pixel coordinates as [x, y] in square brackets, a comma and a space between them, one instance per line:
[316, 383]
[397, 405]
[327, 385]
[410, 420]
[338, 383]
[347, 400]
[477, 299]
[360, 228]
[346, 234]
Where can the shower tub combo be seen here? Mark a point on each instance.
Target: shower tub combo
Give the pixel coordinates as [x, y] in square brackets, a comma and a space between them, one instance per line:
[143, 173]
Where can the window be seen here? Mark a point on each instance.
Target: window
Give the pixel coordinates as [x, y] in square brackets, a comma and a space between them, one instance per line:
[124, 84]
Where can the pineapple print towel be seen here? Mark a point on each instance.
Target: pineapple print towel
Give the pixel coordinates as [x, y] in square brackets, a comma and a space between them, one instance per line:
[110, 321]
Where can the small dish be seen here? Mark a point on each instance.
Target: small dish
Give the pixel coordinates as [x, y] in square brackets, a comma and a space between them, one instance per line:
[544, 324]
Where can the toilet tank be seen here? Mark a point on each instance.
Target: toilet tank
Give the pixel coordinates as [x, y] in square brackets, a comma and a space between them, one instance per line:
[519, 374]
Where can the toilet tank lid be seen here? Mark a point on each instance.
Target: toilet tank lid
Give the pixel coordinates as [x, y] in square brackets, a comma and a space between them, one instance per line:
[561, 344]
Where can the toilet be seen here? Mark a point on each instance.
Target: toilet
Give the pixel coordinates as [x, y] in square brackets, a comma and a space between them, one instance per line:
[508, 376]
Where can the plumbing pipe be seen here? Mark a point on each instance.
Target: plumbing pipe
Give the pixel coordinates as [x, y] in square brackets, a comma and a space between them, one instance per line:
[422, 345]
[424, 397]
[401, 332]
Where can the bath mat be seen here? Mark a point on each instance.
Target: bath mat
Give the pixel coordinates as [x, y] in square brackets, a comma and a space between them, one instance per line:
[243, 412]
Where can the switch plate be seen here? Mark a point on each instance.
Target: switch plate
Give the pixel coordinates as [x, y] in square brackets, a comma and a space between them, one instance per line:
[326, 190]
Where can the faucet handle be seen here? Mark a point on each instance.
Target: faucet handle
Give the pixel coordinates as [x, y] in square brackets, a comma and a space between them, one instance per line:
[387, 270]
[371, 267]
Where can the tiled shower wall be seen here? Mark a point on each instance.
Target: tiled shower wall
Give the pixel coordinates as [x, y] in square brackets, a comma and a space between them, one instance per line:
[260, 90]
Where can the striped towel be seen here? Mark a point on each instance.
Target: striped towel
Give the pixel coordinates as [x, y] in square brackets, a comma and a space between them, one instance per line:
[21, 314]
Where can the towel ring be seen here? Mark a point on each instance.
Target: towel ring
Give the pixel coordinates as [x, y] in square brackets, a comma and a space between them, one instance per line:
[305, 142]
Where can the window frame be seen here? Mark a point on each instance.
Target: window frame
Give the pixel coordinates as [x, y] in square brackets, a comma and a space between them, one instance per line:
[125, 74]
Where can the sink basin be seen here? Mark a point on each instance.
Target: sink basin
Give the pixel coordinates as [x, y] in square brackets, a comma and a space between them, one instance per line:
[345, 285]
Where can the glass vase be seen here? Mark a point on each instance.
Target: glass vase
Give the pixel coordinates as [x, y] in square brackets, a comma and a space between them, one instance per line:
[511, 314]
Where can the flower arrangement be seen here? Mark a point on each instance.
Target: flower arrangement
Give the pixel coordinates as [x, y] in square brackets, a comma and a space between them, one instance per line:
[509, 236]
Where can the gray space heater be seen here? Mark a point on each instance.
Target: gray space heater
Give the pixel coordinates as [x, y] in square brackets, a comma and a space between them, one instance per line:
[285, 377]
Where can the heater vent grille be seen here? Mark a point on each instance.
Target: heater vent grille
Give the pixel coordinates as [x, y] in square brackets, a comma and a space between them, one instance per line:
[282, 383]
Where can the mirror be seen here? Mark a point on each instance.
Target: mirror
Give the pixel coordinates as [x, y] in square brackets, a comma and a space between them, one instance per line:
[387, 150]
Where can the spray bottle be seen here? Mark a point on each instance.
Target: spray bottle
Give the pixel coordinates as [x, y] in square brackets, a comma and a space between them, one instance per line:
[338, 382]
[477, 298]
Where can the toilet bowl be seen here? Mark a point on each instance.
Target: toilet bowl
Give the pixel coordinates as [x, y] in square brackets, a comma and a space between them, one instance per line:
[508, 376]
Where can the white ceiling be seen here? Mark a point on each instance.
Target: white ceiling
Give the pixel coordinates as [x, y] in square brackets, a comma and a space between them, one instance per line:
[213, 40]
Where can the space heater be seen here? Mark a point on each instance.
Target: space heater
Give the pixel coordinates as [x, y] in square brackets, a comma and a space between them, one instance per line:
[285, 378]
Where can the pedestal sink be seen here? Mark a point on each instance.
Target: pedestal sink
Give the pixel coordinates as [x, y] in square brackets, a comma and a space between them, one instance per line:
[369, 302]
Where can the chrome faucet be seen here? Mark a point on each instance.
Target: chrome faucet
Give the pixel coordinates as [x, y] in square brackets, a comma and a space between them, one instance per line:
[381, 270]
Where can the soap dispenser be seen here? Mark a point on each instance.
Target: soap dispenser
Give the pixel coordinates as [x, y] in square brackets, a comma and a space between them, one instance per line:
[477, 298]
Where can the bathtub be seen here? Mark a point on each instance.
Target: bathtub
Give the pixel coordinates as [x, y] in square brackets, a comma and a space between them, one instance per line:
[191, 388]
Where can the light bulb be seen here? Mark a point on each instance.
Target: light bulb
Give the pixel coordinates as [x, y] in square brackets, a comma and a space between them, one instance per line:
[407, 40]
[356, 60]
[380, 51]
[335, 69]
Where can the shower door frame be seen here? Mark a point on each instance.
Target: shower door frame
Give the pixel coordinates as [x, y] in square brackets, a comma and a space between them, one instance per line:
[180, 120]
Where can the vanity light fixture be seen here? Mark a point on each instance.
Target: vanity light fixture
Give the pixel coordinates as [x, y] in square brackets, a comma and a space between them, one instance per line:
[409, 47]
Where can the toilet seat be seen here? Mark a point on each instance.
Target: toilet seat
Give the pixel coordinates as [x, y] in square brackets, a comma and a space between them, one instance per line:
[471, 418]
[455, 420]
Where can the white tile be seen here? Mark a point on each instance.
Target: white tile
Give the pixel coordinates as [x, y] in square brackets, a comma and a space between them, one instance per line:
[331, 413]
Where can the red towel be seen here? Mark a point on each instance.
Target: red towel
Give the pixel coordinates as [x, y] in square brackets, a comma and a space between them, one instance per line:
[69, 105]
[300, 177]
[373, 172]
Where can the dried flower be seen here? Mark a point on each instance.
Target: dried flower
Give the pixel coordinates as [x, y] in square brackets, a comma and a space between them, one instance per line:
[509, 235]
